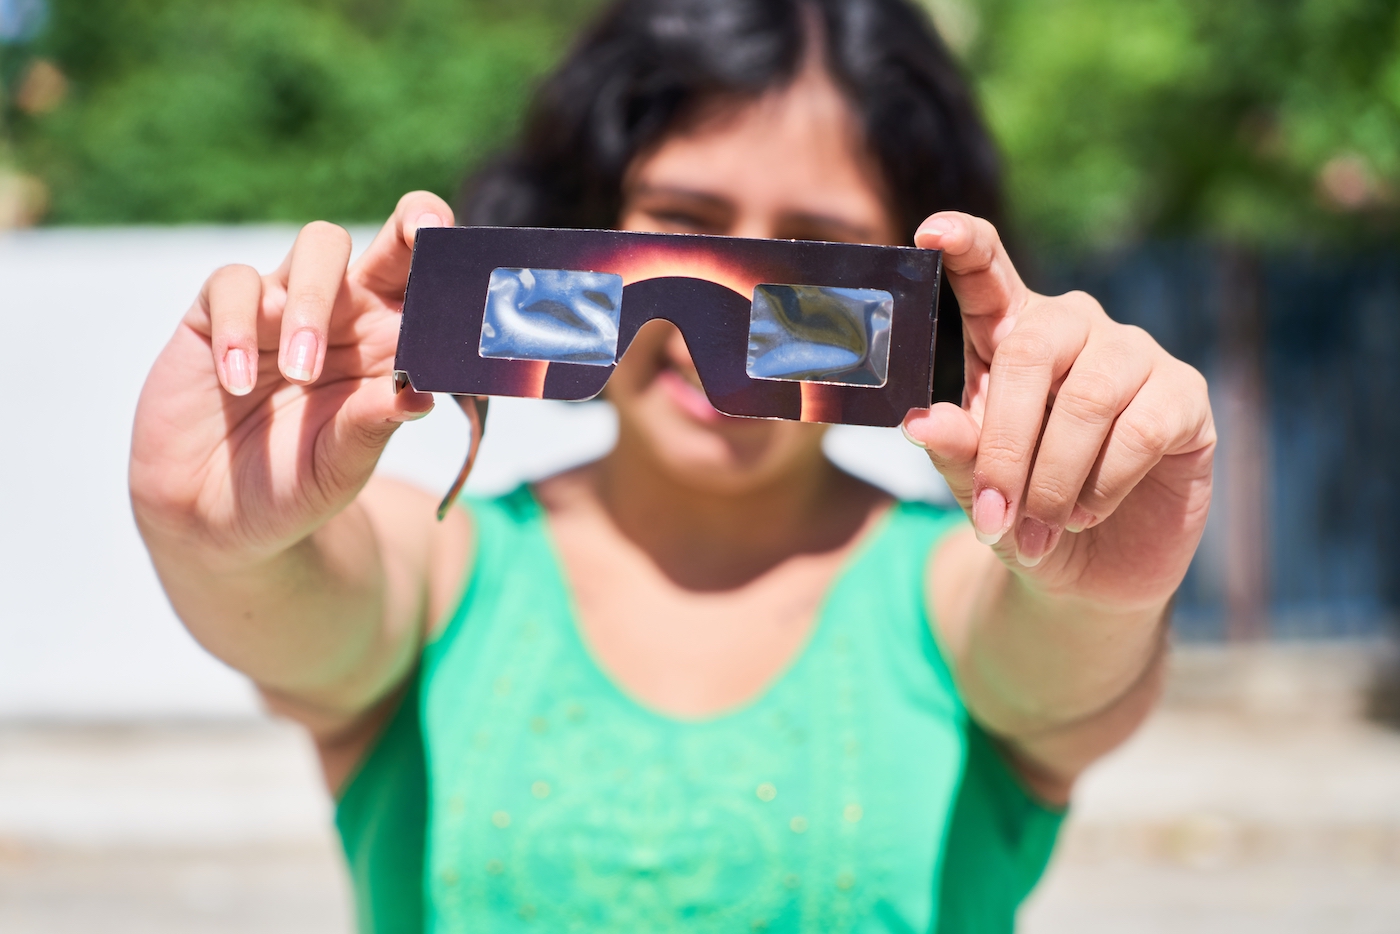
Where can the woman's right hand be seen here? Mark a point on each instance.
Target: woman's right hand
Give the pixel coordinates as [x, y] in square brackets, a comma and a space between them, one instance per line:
[267, 411]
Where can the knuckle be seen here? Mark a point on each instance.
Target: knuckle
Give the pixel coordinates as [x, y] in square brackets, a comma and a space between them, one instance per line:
[311, 301]
[1097, 494]
[998, 453]
[333, 475]
[371, 435]
[1025, 348]
[341, 466]
[985, 229]
[1139, 351]
[309, 306]
[1147, 434]
[981, 250]
[1083, 415]
[1082, 303]
[1050, 494]
[1097, 498]
[1087, 302]
[1136, 337]
[1195, 380]
[1092, 397]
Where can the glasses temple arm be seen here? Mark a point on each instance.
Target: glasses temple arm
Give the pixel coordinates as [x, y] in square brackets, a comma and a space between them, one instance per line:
[474, 407]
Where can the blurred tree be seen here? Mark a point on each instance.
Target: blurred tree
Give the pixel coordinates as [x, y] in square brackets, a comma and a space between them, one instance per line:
[1259, 122]
[180, 110]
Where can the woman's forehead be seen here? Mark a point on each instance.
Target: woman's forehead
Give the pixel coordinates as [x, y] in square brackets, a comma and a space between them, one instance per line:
[794, 150]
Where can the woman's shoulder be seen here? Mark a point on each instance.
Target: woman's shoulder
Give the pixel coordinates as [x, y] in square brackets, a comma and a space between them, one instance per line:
[901, 541]
[901, 510]
[563, 491]
[529, 500]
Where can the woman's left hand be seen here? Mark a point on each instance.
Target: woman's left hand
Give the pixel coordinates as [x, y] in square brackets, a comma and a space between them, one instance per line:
[1082, 451]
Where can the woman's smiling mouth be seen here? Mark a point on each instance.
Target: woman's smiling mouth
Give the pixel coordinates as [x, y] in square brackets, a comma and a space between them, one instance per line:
[687, 396]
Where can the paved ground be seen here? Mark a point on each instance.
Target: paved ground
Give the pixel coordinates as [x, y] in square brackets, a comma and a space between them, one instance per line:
[205, 828]
[1219, 822]
[1256, 800]
[235, 891]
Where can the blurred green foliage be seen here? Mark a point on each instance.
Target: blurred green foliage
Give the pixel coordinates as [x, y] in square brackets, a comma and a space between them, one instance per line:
[1259, 121]
[241, 110]
[1262, 122]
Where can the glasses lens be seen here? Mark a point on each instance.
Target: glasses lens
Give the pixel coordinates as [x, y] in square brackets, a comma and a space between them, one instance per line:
[559, 315]
[816, 334]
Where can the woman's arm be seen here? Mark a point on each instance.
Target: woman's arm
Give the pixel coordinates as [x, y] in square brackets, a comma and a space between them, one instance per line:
[1059, 682]
[329, 627]
[256, 435]
[1083, 455]
[425, 564]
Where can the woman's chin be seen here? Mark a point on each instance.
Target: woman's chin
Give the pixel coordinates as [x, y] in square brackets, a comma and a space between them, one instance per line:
[697, 447]
[698, 456]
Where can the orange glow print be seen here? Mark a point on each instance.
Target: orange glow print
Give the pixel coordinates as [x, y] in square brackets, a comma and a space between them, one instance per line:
[531, 377]
[693, 260]
[820, 403]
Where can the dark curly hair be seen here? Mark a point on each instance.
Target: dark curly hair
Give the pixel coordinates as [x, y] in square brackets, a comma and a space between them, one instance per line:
[646, 65]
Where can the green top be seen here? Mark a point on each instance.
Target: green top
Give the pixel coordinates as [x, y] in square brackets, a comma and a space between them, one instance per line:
[520, 788]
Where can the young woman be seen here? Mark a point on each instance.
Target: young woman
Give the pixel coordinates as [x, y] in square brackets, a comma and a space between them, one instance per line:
[709, 682]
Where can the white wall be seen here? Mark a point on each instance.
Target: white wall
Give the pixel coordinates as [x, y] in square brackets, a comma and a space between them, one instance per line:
[85, 631]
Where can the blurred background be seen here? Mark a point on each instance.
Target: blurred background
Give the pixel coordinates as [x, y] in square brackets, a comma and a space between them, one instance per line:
[1227, 176]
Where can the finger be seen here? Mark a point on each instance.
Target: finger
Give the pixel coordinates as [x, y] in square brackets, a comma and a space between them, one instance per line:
[315, 275]
[1102, 382]
[1154, 425]
[1024, 368]
[989, 289]
[949, 435]
[976, 376]
[383, 269]
[232, 297]
[353, 440]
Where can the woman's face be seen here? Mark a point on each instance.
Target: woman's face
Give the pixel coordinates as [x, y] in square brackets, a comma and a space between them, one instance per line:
[789, 165]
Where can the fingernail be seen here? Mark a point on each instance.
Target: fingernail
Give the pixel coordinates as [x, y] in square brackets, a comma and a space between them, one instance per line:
[910, 438]
[1034, 541]
[301, 356]
[238, 374]
[989, 516]
[1079, 520]
[939, 227]
[428, 220]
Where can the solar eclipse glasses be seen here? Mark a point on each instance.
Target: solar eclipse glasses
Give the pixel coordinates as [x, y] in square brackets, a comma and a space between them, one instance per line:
[814, 332]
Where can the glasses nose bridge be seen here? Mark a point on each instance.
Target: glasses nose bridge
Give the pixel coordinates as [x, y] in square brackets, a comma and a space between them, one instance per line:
[630, 331]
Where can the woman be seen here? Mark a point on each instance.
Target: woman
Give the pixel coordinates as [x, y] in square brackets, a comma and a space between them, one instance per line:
[709, 681]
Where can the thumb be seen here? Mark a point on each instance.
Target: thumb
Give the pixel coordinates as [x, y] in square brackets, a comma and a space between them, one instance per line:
[383, 268]
[950, 436]
[353, 440]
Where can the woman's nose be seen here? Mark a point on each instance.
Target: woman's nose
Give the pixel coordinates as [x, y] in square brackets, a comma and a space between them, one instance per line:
[676, 349]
